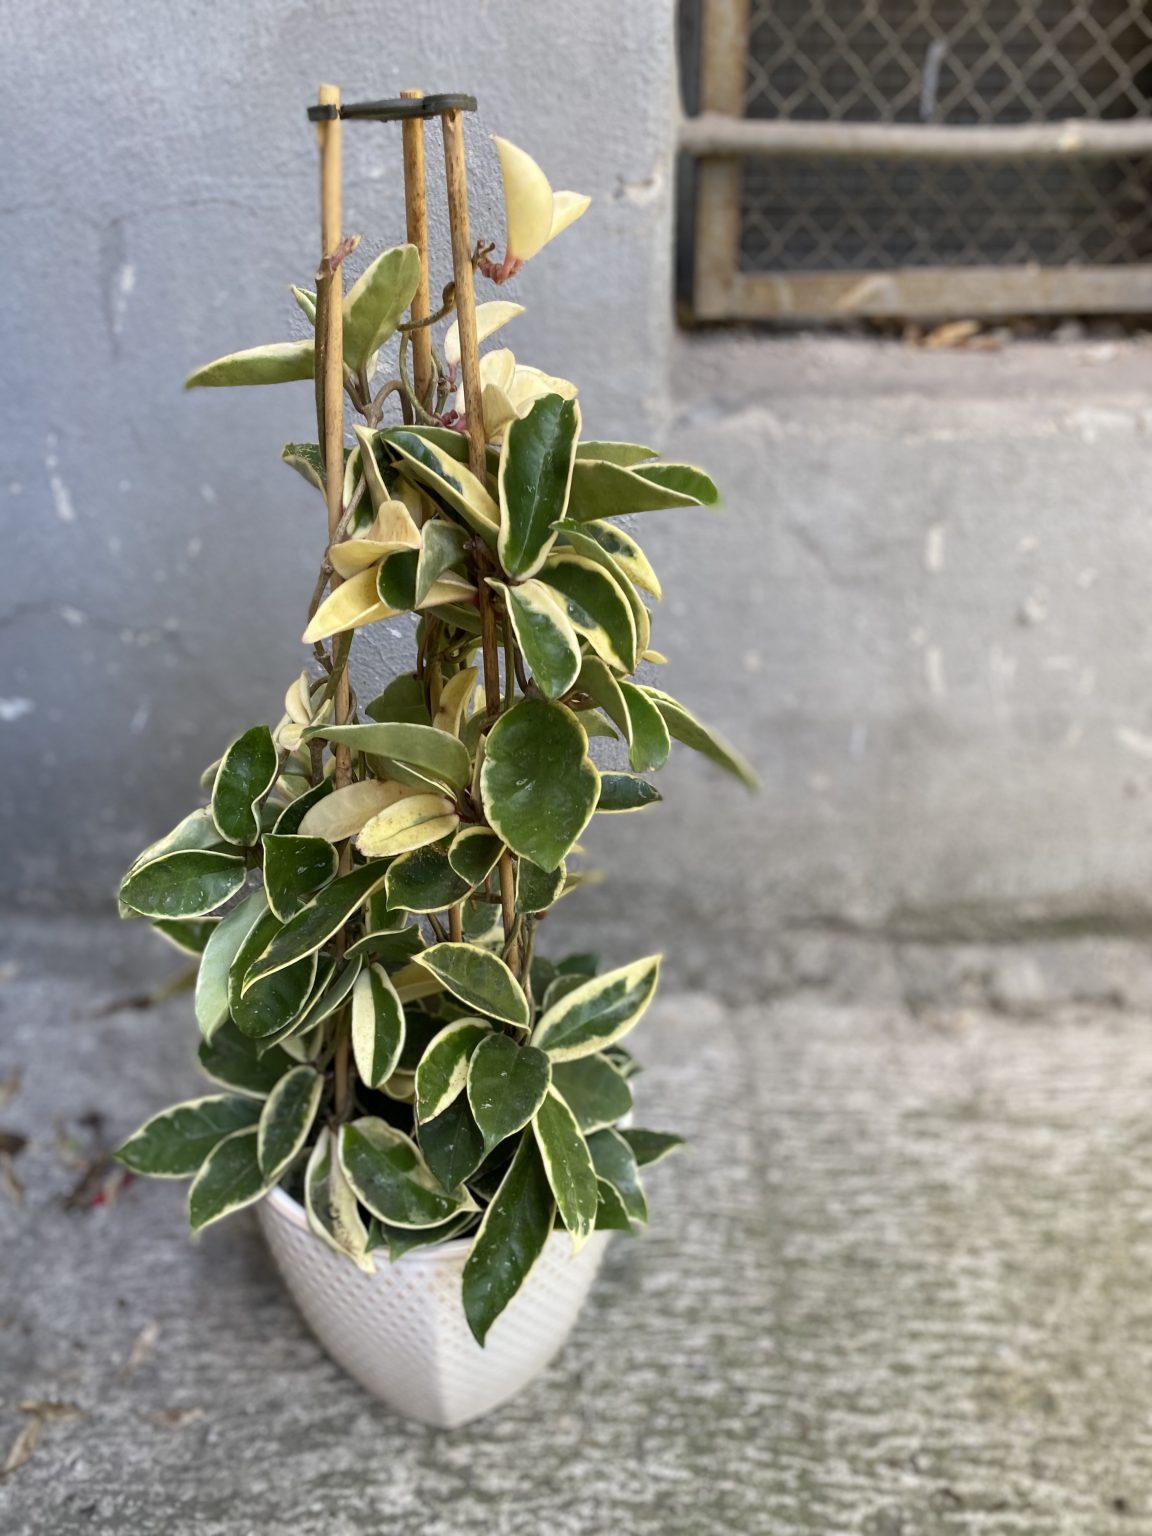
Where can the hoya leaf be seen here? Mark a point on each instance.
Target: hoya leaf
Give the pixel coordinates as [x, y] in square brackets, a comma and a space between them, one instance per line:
[431, 752]
[474, 854]
[623, 549]
[544, 634]
[452, 483]
[287, 1118]
[442, 546]
[452, 1144]
[389, 1175]
[351, 605]
[596, 605]
[278, 362]
[601, 489]
[593, 1089]
[625, 454]
[265, 1006]
[424, 881]
[490, 317]
[412, 822]
[188, 883]
[480, 980]
[291, 818]
[307, 460]
[443, 1069]
[611, 1215]
[401, 703]
[568, 1164]
[295, 868]
[315, 924]
[506, 1086]
[189, 935]
[197, 830]
[603, 688]
[331, 1207]
[682, 480]
[684, 727]
[649, 1146]
[538, 783]
[389, 946]
[375, 304]
[211, 996]
[615, 1162]
[537, 889]
[599, 1012]
[229, 1179]
[651, 742]
[528, 201]
[233, 1061]
[625, 792]
[401, 1240]
[454, 700]
[247, 772]
[535, 473]
[377, 1026]
[330, 992]
[174, 1143]
[342, 813]
[511, 1238]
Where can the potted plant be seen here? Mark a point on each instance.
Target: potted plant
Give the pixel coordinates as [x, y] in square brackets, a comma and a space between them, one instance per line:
[434, 1117]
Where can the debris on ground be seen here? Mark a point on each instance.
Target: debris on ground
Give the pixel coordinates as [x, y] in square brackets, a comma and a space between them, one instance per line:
[25, 1443]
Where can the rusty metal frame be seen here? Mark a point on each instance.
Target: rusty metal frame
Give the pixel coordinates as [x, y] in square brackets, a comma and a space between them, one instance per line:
[721, 139]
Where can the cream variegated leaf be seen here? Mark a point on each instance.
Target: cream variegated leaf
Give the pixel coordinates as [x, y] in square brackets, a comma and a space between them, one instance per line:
[332, 1208]
[352, 605]
[490, 317]
[412, 822]
[454, 697]
[345, 811]
[533, 213]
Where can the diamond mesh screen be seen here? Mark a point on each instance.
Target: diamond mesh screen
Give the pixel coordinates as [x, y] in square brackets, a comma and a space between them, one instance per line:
[954, 62]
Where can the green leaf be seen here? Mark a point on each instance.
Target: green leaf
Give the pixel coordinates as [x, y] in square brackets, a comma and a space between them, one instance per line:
[174, 1143]
[329, 993]
[611, 1215]
[306, 300]
[295, 868]
[288, 1115]
[234, 1061]
[436, 753]
[387, 1171]
[401, 1240]
[247, 772]
[577, 542]
[197, 830]
[601, 489]
[685, 728]
[189, 935]
[290, 818]
[506, 1085]
[396, 579]
[315, 924]
[599, 1012]
[593, 1089]
[401, 703]
[266, 1006]
[536, 888]
[377, 1026]
[623, 549]
[480, 980]
[649, 1146]
[424, 881]
[682, 480]
[625, 792]
[278, 362]
[443, 1069]
[603, 688]
[229, 1179]
[535, 473]
[443, 546]
[568, 1164]
[511, 1238]
[183, 884]
[452, 1144]
[331, 1207]
[219, 953]
[596, 605]
[389, 946]
[625, 454]
[375, 304]
[307, 460]
[616, 1164]
[544, 633]
[451, 483]
[538, 783]
[651, 742]
[474, 854]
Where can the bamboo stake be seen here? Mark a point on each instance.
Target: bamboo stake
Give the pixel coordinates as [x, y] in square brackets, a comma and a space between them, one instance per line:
[416, 211]
[456, 171]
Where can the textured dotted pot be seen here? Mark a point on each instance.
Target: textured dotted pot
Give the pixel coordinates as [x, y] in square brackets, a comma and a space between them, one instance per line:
[401, 1332]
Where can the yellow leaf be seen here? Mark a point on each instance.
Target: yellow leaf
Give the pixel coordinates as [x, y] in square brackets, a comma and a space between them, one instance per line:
[489, 318]
[342, 813]
[657, 658]
[454, 697]
[392, 528]
[527, 201]
[410, 823]
[297, 702]
[353, 604]
[567, 207]
[448, 588]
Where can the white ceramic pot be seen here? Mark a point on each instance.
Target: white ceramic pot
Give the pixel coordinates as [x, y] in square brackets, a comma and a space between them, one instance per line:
[402, 1332]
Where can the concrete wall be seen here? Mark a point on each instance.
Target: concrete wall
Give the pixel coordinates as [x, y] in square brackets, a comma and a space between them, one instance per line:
[159, 197]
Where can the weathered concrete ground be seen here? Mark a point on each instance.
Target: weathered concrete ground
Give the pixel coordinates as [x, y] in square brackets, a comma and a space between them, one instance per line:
[899, 1287]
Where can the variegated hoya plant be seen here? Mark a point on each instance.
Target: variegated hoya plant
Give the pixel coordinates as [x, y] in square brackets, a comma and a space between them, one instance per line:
[364, 897]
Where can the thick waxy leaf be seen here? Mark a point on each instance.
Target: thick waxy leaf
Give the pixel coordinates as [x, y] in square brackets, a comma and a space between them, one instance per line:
[266, 1006]
[229, 1179]
[443, 1069]
[615, 1162]
[544, 633]
[598, 1013]
[480, 980]
[602, 686]
[389, 946]
[197, 830]
[533, 213]
[342, 813]
[568, 1164]
[431, 752]
[451, 483]
[351, 605]
[315, 924]
[234, 1061]
[651, 742]
[474, 853]
[376, 301]
[400, 1240]
[593, 1089]
[454, 700]
[452, 1144]
[387, 1171]
[413, 822]
[536, 888]
[424, 881]
[288, 1115]
[535, 472]
[396, 583]
[684, 727]
[329, 993]
[291, 818]
[331, 1207]
[650, 1146]
[624, 550]
[611, 1215]
[538, 783]
[625, 792]
[174, 1143]
[682, 480]
[377, 1026]
[442, 546]
[626, 454]
[277, 363]
[183, 884]
[579, 543]
[601, 489]
[511, 1238]
[506, 1086]
[190, 935]
[401, 703]
[489, 319]
[295, 868]
[392, 530]
[247, 772]
[596, 605]
[220, 952]
[307, 460]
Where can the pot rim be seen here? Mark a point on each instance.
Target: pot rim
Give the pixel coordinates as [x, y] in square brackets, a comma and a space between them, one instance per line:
[434, 1253]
